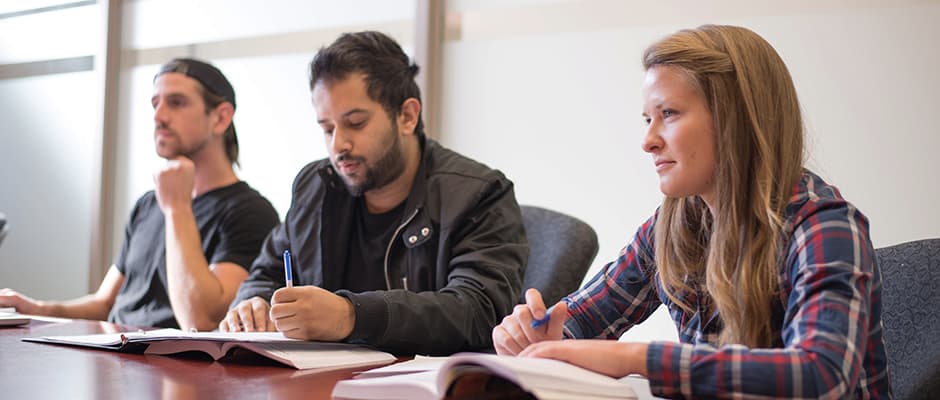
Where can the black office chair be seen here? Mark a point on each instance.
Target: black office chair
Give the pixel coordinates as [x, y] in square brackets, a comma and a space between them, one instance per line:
[3, 227]
[561, 249]
[911, 314]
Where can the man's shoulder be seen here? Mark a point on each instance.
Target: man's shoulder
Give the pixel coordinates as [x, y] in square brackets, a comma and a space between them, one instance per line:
[145, 207]
[311, 176]
[149, 197]
[444, 162]
[241, 198]
[146, 201]
[236, 192]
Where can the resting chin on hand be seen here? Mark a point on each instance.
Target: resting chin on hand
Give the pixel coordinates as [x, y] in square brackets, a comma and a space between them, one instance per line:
[311, 313]
[173, 184]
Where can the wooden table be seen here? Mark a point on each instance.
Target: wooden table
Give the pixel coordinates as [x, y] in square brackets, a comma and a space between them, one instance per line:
[45, 371]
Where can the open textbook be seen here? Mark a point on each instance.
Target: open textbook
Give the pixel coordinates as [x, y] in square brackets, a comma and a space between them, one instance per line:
[299, 354]
[9, 317]
[474, 376]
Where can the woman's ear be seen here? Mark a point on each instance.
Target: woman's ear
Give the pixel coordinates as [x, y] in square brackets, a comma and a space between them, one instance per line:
[408, 116]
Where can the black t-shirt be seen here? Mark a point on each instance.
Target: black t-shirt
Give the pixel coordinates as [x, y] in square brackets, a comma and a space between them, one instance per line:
[233, 222]
[365, 262]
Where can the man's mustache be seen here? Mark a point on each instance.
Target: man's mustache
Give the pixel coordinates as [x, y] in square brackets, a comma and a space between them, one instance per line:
[348, 157]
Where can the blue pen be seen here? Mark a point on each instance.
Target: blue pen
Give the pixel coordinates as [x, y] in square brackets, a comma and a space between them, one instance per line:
[544, 320]
[287, 274]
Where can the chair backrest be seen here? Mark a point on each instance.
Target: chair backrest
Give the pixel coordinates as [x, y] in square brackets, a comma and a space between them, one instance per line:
[911, 315]
[561, 249]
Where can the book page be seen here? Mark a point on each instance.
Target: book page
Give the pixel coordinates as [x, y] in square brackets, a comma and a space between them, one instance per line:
[166, 347]
[296, 353]
[9, 317]
[249, 337]
[540, 375]
[418, 364]
[417, 386]
[319, 355]
[109, 340]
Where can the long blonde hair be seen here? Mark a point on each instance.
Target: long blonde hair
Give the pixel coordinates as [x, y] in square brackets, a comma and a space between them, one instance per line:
[759, 148]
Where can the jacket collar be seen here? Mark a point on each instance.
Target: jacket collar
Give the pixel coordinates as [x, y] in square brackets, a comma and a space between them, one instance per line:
[340, 205]
[419, 229]
[416, 196]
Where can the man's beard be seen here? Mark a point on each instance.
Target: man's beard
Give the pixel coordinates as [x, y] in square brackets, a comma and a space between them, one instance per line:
[386, 169]
[172, 150]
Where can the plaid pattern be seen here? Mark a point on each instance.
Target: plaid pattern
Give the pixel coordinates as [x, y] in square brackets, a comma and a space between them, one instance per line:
[828, 315]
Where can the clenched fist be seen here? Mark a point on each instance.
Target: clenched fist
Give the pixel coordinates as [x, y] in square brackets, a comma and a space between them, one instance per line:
[174, 184]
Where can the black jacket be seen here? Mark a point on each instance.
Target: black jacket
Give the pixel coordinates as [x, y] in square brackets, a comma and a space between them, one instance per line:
[460, 246]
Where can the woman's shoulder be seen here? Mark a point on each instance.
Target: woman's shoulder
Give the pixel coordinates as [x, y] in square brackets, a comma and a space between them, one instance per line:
[815, 200]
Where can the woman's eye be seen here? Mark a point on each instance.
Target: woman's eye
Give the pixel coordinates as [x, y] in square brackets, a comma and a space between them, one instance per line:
[647, 120]
[668, 113]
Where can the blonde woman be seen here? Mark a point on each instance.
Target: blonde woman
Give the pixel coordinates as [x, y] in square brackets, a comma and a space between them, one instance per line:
[767, 271]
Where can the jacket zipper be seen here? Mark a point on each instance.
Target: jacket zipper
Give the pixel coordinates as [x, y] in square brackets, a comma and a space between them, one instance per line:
[388, 250]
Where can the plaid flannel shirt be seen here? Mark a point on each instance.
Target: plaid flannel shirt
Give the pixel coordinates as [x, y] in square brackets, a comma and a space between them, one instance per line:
[826, 320]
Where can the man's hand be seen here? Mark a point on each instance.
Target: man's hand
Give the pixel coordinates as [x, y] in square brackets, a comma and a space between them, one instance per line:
[516, 333]
[22, 304]
[250, 316]
[174, 184]
[311, 313]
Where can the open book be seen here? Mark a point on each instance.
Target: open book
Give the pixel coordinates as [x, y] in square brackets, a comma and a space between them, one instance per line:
[299, 354]
[474, 376]
[9, 317]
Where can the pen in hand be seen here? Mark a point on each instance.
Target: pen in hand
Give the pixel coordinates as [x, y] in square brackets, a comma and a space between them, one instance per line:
[287, 272]
[544, 320]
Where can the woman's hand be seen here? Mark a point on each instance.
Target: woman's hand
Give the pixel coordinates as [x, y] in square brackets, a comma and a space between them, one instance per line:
[608, 357]
[516, 333]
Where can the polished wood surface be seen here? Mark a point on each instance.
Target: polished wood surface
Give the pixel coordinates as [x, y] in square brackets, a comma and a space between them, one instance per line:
[46, 371]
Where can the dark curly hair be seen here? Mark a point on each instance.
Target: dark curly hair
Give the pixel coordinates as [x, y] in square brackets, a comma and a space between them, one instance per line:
[389, 74]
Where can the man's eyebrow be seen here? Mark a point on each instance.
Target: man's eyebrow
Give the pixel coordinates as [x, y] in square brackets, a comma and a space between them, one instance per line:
[347, 114]
[355, 111]
[168, 95]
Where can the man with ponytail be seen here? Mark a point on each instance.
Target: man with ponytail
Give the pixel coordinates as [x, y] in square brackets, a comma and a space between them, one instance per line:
[394, 240]
[767, 271]
[189, 242]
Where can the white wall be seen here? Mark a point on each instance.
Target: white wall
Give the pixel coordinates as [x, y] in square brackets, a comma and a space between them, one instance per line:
[49, 130]
[46, 141]
[550, 94]
[81, 23]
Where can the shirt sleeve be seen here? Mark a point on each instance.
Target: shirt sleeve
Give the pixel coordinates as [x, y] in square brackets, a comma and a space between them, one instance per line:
[243, 230]
[620, 296]
[828, 270]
